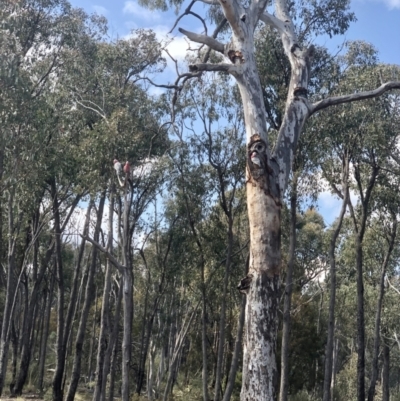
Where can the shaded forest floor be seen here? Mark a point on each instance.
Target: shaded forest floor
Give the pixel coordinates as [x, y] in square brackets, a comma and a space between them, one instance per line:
[31, 396]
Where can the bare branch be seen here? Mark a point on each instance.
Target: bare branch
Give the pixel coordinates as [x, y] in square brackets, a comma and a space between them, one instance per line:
[333, 101]
[111, 258]
[204, 39]
[392, 287]
[213, 67]
[186, 12]
[272, 21]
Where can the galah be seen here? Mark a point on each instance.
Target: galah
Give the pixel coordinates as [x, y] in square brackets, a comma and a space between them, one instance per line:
[127, 168]
[117, 166]
[118, 169]
[254, 159]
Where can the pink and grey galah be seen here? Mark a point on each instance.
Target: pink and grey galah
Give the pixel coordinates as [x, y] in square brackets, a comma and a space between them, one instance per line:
[117, 166]
[127, 168]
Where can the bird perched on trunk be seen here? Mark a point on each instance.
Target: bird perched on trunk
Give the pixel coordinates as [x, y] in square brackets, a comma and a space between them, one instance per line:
[255, 159]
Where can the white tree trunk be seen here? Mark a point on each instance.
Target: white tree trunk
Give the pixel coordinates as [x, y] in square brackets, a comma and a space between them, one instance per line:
[267, 170]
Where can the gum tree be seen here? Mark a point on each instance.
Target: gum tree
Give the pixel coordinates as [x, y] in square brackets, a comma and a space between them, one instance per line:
[268, 165]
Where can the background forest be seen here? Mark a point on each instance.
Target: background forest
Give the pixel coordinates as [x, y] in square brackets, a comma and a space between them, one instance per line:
[114, 283]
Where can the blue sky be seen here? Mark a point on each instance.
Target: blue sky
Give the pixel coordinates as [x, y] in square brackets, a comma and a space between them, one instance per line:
[378, 22]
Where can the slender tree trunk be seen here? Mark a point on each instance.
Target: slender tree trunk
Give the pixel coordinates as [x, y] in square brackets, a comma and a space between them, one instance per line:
[334, 366]
[150, 374]
[222, 318]
[359, 236]
[45, 334]
[10, 292]
[92, 341]
[287, 304]
[235, 359]
[360, 321]
[29, 325]
[89, 297]
[112, 348]
[332, 292]
[386, 373]
[105, 308]
[127, 297]
[176, 351]
[60, 346]
[14, 359]
[204, 372]
[147, 325]
[377, 330]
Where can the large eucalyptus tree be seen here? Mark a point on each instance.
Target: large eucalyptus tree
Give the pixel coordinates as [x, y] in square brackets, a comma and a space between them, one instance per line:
[268, 167]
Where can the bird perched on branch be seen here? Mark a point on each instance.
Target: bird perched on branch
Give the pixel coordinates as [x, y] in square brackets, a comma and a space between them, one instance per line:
[117, 166]
[118, 169]
[127, 168]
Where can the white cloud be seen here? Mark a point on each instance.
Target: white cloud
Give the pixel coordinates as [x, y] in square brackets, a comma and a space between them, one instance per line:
[177, 45]
[131, 7]
[100, 10]
[329, 205]
[392, 4]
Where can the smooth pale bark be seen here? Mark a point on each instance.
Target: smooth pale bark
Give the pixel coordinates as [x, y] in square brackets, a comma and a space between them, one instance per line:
[266, 183]
[267, 178]
[329, 350]
[287, 303]
[150, 371]
[377, 329]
